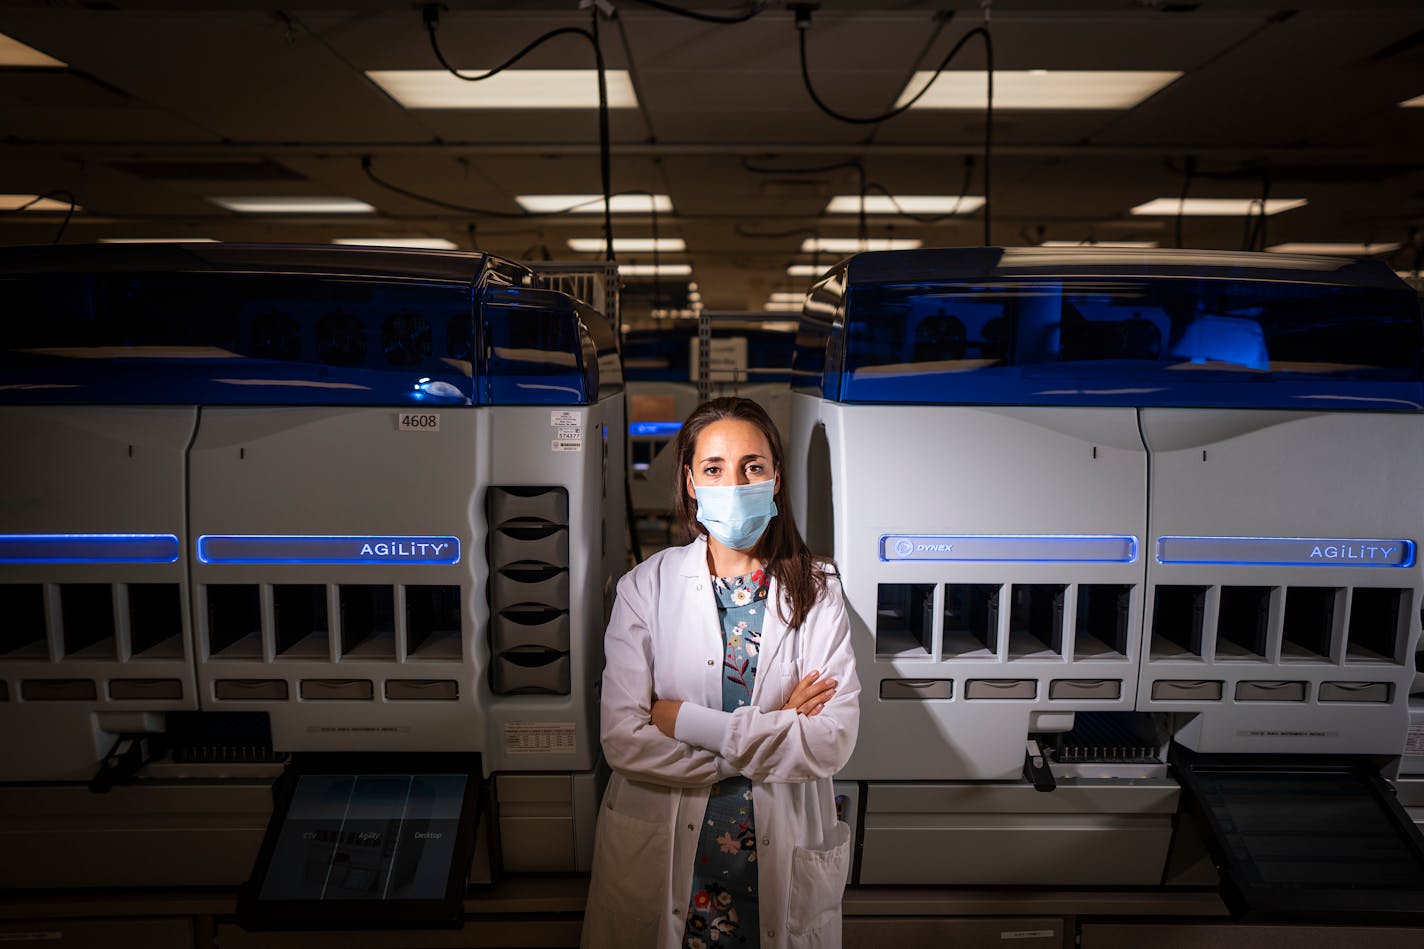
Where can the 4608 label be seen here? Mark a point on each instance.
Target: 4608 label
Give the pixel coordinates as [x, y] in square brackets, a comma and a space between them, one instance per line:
[418, 422]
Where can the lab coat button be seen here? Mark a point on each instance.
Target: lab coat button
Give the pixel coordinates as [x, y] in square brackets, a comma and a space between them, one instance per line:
[766, 841]
[689, 826]
[709, 662]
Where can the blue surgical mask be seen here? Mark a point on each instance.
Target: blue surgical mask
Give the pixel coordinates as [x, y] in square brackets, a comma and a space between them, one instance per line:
[736, 514]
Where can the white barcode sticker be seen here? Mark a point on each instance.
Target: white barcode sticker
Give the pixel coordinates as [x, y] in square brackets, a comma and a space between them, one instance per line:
[568, 431]
[540, 738]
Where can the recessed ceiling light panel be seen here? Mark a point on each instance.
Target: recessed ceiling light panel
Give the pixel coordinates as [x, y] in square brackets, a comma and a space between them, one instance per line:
[15, 53]
[655, 270]
[906, 204]
[32, 202]
[511, 89]
[1036, 88]
[1217, 207]
[628, 245]
[293, 204]
[417, 243]
[593, 203]
[1334, 249]
[1122, 245]
[854, 245]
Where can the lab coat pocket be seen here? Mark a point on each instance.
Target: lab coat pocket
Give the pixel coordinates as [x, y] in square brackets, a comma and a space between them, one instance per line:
[625, 895]
[631, 865]
[817, 884]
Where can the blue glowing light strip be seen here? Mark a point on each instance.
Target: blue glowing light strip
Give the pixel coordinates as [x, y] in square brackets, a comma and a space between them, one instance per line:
[317, 549]
[654, 428]
[1009, 548]
[89, 548]
[1286, 551]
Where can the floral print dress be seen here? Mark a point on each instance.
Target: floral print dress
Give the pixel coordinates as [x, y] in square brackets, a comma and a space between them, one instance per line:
[723, 909]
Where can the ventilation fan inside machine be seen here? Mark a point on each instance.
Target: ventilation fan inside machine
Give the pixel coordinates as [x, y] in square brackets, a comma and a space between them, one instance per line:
[276, 336]
[405, 338]
[341, 339]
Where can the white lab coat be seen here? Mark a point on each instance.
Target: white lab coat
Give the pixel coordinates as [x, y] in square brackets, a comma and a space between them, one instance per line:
[664, 640]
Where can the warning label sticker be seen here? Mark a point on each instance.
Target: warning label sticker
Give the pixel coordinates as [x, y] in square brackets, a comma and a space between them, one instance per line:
[1414, 740]
[540, 738]
[568, 430]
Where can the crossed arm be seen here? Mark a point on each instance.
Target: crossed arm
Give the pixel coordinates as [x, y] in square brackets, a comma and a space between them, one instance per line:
[808, 698]
[681, 744]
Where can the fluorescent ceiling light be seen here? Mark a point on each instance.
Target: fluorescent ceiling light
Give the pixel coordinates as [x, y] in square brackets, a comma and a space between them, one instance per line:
[787, 296]
[628, 245]
[420, 243]
[13, 202]
[593, 203]
[293, 204]
[853, 245]
[511, 89]
[1217, 207]
[1332, 250]
[1416, 103]
[15, 53]
[805, 270]
[1125, 245]
[906, 204]
[782, 306]
[655, 270]
[157, 240]
[1036, 88]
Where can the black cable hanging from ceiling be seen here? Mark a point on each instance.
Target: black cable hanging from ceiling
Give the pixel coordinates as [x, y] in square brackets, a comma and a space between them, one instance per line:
[1256, 240]
[863, 228]
[927, 218]
[430, 14]
[63, 194]
[752, 10]
[803, 26]
[1187, 174]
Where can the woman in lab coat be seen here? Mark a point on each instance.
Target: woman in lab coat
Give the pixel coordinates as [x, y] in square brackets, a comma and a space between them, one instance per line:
[729, 698]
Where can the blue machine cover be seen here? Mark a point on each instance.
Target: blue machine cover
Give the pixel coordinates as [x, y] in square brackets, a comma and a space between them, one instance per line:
[1089, 326]
[224, 324]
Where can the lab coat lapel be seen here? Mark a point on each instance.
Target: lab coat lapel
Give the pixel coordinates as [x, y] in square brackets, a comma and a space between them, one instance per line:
[773, 640]
[698, 615]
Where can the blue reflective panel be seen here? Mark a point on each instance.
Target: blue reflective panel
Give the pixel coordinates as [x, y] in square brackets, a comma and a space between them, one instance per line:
[1010, 548]
[319, 549]
[235, 338]
[769, 355]
[88, 548]
[545, 347]
[663, 354]
[653, 429]
[1124, 340]
[1286, 551]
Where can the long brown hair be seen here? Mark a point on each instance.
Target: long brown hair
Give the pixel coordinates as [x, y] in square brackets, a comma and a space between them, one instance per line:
[799, 574]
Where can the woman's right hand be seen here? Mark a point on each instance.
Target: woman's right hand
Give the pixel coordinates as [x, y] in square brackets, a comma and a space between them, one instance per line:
[810, 695]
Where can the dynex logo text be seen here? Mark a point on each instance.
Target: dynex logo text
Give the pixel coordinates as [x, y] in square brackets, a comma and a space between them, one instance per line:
[419, 549]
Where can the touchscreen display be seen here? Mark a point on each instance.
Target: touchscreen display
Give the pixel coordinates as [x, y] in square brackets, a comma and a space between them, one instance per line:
[367, 837]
